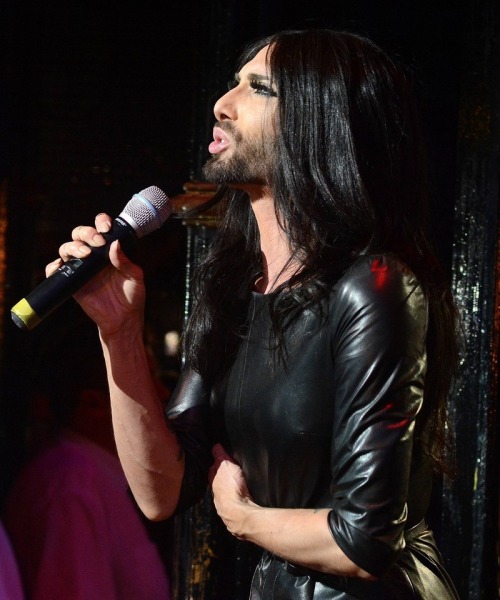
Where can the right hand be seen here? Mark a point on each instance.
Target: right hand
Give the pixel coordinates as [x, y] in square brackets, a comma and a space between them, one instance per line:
[117, 294]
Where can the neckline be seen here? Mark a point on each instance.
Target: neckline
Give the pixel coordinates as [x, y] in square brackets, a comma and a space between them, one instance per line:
[260, 297]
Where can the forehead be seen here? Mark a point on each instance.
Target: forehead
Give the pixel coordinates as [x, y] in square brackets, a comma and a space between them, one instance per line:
[259, 64]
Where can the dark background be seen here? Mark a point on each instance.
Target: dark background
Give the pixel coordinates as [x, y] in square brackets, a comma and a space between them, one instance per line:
[100, 100]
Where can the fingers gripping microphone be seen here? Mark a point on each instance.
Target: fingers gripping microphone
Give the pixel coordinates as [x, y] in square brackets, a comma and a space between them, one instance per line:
[144, 213]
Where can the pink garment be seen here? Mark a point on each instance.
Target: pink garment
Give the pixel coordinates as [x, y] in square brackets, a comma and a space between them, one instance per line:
[76, 532]
[10, 582]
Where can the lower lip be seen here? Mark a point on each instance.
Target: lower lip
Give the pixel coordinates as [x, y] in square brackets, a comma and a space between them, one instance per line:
[216, 147]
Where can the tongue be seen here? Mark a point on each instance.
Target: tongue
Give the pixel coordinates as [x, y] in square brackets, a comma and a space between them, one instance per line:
[217, 146]
[220, 142]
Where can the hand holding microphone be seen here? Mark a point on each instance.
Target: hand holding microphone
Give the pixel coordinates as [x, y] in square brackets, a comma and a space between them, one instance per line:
[112, 295]
[89, 254]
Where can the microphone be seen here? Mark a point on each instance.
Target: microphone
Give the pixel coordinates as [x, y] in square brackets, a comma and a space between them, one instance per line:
[145, 212]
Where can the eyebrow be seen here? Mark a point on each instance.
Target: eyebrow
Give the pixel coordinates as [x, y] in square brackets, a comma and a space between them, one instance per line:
[254, 76]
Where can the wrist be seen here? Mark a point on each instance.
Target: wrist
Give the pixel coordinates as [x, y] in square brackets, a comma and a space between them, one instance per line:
[129, 332]
[249, 520]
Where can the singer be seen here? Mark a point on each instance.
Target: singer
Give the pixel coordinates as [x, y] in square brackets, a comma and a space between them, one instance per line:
[321, 346]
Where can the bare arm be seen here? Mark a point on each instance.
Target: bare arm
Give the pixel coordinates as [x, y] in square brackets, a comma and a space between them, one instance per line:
[149, 451]
[300, 536]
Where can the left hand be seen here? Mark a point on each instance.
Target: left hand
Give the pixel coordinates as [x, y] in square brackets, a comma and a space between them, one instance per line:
[232, 499]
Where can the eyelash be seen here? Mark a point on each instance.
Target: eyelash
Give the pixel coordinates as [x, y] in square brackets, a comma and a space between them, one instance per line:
[259, 88]
[262, 89]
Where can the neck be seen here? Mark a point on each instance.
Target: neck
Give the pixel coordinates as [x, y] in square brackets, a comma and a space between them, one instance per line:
[276, 254]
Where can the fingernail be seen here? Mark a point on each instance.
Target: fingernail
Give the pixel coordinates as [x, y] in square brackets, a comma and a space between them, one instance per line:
[105, 226]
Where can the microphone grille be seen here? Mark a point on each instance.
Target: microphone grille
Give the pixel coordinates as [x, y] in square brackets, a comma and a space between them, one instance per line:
[147, 210]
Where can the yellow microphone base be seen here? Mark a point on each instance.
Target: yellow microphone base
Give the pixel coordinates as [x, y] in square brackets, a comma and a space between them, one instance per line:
[24, 316]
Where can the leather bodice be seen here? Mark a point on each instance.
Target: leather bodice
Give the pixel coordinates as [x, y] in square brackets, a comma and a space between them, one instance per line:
[331, 423]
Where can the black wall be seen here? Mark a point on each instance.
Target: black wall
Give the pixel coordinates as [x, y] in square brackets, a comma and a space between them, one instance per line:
[100, 100]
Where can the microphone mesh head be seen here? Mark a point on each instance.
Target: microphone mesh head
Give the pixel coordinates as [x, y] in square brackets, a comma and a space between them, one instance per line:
[147, 210]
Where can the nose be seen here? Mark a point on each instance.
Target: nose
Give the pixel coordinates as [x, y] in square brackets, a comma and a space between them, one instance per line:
[225, 108]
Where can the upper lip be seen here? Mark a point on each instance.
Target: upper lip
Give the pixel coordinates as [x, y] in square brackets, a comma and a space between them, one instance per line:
[221, 135]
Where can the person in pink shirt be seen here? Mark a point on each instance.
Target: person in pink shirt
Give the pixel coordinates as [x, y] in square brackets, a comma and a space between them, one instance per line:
[75, 529]
[10, 580]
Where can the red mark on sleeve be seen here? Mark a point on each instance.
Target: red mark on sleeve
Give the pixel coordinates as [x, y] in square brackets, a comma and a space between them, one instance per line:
[399, 424]
[379, 268]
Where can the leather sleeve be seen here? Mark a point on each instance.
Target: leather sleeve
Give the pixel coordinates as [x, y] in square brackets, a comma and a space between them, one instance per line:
[189, 416]
[379, 356]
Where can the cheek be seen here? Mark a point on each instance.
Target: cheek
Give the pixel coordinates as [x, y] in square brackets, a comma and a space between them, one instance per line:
[257, 124]
[268, 122]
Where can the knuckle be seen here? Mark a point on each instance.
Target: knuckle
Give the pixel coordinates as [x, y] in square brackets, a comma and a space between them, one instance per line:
[75, 234]
[63, 249]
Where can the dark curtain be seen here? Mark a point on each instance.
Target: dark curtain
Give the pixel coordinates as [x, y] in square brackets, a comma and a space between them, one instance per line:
[470, 504]
[101, 102]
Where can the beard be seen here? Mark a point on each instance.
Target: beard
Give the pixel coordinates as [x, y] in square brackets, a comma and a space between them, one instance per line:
[250, 162]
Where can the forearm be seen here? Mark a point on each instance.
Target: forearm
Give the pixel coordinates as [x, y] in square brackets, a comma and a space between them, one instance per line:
[300, 536]
[149, 451]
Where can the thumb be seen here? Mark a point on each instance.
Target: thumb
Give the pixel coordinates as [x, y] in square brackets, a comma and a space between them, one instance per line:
[122, 262]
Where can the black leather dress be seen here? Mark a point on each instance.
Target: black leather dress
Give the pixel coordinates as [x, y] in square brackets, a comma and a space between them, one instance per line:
[332, 427]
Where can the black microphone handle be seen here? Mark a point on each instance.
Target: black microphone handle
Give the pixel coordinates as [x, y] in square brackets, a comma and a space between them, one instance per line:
[69, 278]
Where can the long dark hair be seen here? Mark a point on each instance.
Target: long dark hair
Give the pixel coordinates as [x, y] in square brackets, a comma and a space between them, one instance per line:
[349, 179]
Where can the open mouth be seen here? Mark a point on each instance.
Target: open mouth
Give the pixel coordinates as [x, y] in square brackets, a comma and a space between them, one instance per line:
[220, 143]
